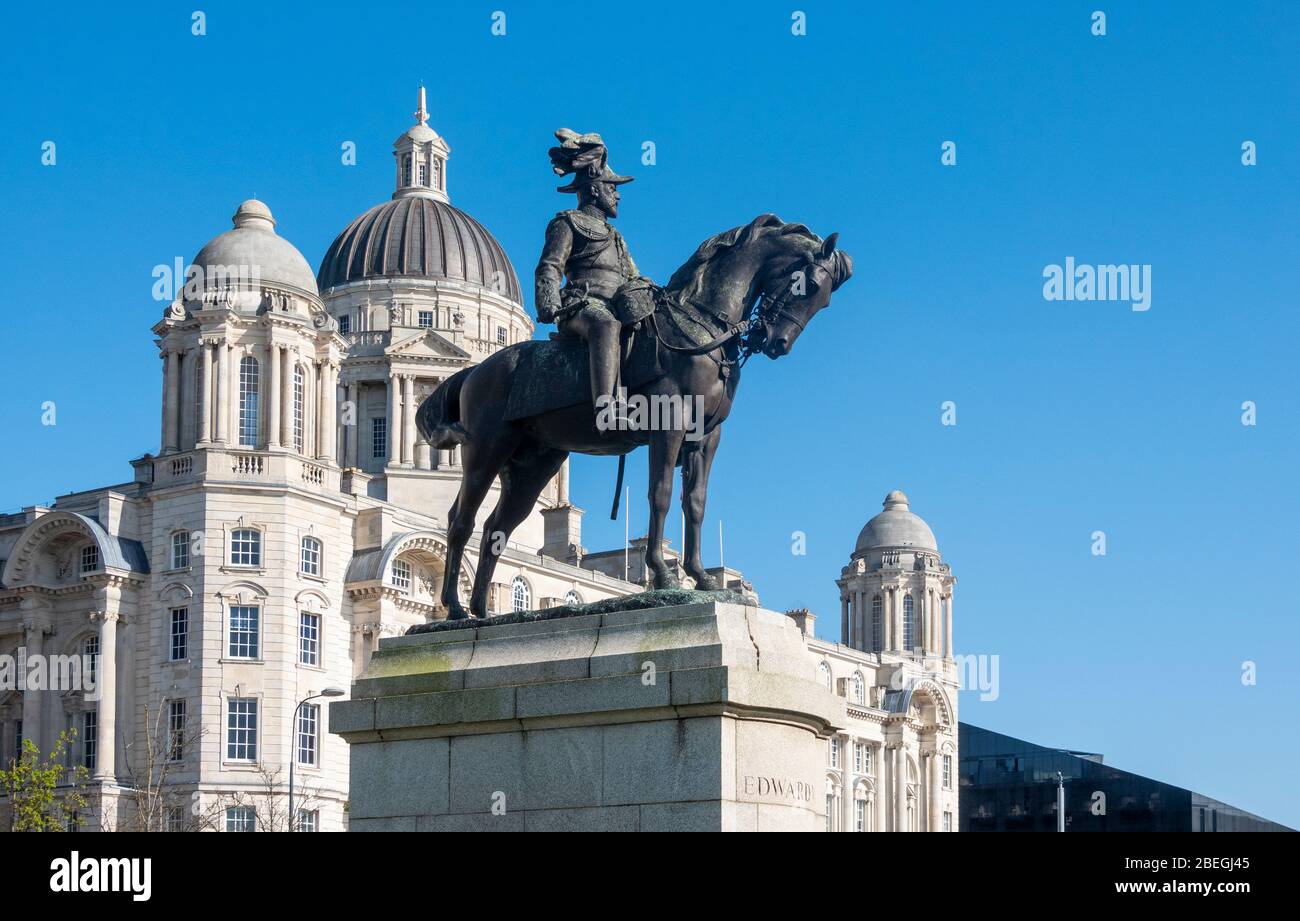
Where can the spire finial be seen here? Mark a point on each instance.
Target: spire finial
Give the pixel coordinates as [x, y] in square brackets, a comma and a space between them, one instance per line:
[421, 114]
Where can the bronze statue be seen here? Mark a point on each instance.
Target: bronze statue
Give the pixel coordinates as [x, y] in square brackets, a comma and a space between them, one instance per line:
[583, 248]
[523, 410]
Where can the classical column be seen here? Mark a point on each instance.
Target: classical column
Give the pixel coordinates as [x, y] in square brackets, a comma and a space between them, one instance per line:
[879, 776]
[171, 401]
[394, 420]
[106, 681]
[900, 788]
[329, 414]
[408, 420]
[351, 433]
[33, 642]
[846, 619]
[562, 485]
[223, 392]
[932, 797]
[947, 626]
[895, 618]
[864, 625]
[273, 397]
[204, 431]
[846, 785]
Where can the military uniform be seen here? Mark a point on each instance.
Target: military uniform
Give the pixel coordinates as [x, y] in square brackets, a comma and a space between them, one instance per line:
[593, 257]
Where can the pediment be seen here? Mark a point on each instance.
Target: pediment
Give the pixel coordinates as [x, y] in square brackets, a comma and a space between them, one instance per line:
[426, 344]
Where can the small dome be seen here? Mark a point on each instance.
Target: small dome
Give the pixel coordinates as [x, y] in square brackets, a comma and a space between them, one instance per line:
[253, 249]
[896, 526]
[419, 237]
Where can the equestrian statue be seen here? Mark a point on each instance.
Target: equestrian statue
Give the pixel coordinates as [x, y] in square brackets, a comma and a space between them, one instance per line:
[623, 343]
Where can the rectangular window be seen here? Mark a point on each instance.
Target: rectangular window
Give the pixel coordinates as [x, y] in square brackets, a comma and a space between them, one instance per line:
[18, 740]
[175, 730]
[90, 656]
[860, 815]
[947, 821]
[501, 335]
[89, 558]
[89, 739]
[244, 631]
[308, 740]
[947, 772]
[309, 820]
[835, 751]
[426, 319]
[241, 729]
[858, 748]
[345, 324]
[308, 639]
[866, 759]
[379, 437]
[830, 812]
[181, 550]
[175, 819]
[241, 818]
[180, 634]
[424, 174]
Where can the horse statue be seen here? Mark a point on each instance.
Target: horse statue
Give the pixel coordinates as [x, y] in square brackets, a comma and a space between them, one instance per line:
[522, 411]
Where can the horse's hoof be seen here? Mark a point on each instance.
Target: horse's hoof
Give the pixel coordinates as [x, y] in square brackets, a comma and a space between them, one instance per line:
[706, 583]
[666, 580]
[456, 612]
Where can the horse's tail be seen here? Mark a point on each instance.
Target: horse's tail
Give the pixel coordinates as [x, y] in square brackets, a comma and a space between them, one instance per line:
[439, 415]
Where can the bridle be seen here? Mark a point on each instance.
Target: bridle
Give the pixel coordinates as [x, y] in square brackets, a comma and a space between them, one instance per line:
[753, 329]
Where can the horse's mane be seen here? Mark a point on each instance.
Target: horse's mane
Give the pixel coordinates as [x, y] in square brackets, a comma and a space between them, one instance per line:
[688, 280]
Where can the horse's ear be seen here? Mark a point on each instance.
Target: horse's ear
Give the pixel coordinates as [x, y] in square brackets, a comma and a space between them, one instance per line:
[829, 246]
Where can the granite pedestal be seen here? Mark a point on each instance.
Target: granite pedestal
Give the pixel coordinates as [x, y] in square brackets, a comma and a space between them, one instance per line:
[695, 717]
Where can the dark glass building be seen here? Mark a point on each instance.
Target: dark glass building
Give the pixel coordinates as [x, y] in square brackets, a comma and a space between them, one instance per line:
[1008, 784]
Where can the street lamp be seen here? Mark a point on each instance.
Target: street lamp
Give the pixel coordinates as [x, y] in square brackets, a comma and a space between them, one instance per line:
[293, 744]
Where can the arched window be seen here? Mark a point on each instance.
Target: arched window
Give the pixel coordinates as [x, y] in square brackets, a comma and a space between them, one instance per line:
[824, 671]
[832, 805]
[909, 624]
[309, 558]
[520, 596]
[248, 401]
[877, 624]
[859, 689]
[406, 170]
[298, 399]
[572, 597]
[245, 547]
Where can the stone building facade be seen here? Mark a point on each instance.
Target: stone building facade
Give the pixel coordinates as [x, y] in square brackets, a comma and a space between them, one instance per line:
[894, 768]
[291, 518]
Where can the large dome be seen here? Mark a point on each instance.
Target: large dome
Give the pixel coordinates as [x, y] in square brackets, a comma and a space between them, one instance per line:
[896, 527]
[254, 245]
[423, 237]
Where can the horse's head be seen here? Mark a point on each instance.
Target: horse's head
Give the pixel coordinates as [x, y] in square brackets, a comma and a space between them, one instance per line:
[794, 292]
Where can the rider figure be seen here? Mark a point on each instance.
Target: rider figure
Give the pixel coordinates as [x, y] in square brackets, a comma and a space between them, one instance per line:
[582, 247]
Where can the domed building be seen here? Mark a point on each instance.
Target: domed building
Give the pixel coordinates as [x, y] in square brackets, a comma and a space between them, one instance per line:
[894, 767]
[290, 518]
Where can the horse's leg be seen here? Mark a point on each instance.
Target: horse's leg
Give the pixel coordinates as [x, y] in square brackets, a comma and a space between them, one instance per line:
[664, 447]
[695, 487]
[480, 470]
[523, 478]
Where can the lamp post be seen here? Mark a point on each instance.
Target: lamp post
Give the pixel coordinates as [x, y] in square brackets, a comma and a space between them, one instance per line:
[293, 745]
[1060, 802]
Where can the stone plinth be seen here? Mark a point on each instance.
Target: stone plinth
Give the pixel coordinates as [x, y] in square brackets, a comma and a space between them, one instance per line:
[700, 716]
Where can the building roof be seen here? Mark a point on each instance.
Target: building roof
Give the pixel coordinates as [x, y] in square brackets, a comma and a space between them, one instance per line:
[896, 527]
[418, 237]
[253, 244]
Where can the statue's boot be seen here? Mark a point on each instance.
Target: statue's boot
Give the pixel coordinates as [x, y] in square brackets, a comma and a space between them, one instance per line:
[602, 346]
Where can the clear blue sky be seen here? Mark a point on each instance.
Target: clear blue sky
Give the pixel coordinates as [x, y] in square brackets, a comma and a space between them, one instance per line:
[1072, 416]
